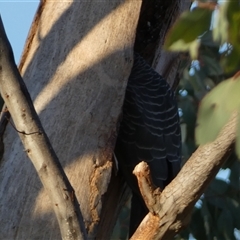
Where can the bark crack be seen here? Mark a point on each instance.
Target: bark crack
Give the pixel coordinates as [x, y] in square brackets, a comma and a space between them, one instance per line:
[99, 181]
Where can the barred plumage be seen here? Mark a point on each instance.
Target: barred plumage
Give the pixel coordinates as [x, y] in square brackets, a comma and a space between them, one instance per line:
[149, 130]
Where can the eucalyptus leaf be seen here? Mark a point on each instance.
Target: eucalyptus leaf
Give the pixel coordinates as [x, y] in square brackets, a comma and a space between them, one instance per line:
[216, 109]
[187, 29]
[231, 62]
[192, 47]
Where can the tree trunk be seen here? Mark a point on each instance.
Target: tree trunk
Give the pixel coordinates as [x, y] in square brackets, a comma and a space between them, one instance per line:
[76, 63]
[37, 145]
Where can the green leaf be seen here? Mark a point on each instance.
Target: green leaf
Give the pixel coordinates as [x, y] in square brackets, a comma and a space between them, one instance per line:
[228, 30]
[231, 62]
[188, 28]
[192, 47]
[216, 109]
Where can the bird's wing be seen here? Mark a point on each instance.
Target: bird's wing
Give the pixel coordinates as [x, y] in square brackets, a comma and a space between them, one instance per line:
[150, 127]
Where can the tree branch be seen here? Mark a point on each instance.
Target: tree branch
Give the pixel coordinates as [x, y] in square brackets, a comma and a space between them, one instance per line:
[170, 211]
[37, 144]
[149, 192]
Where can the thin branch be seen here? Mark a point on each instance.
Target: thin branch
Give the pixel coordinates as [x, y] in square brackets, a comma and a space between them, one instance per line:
[39, 149]
[175, 203]
[149, 192]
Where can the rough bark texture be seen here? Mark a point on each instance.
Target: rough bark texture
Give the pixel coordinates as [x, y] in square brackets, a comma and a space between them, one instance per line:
[148, 190]
[159, 14]
[75, 64]
[171, 210]
[37, 146]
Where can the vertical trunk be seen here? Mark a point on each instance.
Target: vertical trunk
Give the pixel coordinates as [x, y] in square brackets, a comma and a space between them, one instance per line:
[156, 17]
[76, 63]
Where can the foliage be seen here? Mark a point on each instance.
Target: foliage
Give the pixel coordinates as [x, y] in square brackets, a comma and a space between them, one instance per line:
[217, 213]
[217, 57]
[189, 34]
[217, 110]
[214, 112]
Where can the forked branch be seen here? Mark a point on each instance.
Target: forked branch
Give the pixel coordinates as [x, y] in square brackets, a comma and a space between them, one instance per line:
[170, 211]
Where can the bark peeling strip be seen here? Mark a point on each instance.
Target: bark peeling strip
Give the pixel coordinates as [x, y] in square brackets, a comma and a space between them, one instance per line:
[99, 181]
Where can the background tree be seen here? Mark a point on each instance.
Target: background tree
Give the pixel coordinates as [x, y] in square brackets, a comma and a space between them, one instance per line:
[216, 59]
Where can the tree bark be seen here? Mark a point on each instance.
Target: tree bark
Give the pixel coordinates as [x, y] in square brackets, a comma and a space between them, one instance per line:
[37, 145]
[170, 211]
[118, 192]
[76, 63]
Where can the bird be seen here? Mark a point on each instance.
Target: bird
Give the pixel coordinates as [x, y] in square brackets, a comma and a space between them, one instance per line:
[149, 131]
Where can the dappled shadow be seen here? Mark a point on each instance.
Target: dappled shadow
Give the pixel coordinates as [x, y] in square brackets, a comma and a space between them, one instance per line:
[77, 123]
[54, 59]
